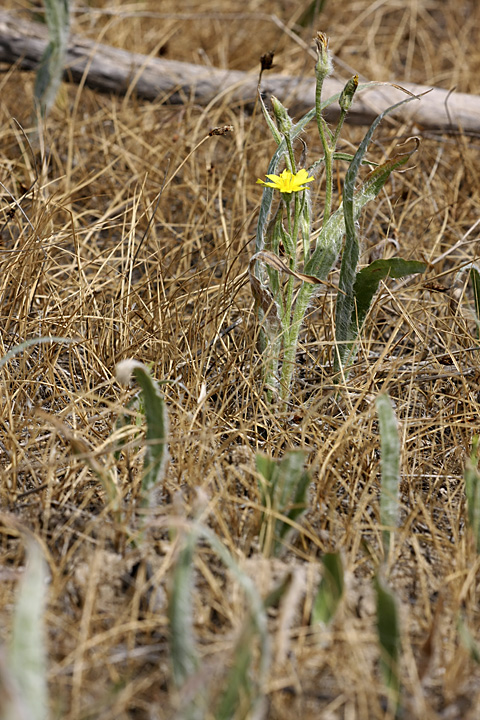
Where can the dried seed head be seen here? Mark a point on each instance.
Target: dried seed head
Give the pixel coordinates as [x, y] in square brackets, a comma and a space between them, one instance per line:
[223, 130]
[125, 368]
[266, 61]
[324, 66]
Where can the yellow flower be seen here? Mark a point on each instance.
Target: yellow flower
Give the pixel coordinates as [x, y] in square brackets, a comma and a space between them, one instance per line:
[287, 182]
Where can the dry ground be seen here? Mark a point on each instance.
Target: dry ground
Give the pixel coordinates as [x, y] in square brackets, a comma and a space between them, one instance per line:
[77, 262]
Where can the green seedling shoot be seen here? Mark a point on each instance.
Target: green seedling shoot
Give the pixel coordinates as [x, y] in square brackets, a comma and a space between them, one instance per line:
[283, 488]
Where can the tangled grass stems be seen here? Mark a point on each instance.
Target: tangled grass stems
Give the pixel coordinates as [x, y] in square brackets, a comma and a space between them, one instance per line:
[178, 298]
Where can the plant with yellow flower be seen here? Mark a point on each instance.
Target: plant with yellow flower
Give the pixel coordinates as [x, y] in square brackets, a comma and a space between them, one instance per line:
[290, 261]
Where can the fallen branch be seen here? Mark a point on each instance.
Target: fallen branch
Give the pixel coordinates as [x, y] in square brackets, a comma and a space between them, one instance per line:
[110, 69]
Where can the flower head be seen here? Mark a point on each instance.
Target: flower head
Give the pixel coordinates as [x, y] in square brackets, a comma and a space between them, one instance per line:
[324, 66]
[346, 96]
[287, 182]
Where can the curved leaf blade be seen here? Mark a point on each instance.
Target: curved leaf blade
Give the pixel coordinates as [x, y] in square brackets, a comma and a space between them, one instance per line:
[368, 280]
[156, 452]
[374, 183]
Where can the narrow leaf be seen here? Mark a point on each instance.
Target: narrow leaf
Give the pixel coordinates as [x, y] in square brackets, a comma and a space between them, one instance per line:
[238, 696]
[345, 298]
[266, 468]
[472, 493]
[255, 604]
[388, 629]
[180, 614]
[475, 280]
[390, 464]
[299, 502]
[329, 242]
[290, 472]
[368, 280]
[239, 680]
[241, 694]
[28, 343]
[330, 590]
[156, 452]
[27, 653]
[283, 486]
[50, 70]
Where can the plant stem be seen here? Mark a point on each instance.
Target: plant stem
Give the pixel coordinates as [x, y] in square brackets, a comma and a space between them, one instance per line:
[328, 149]
[291, 336]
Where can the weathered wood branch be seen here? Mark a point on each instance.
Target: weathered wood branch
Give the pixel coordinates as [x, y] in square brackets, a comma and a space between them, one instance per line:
[110, 69]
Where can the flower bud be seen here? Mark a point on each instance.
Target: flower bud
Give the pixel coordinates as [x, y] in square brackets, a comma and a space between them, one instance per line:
[283, 120]
[324, 66]
[346, 96]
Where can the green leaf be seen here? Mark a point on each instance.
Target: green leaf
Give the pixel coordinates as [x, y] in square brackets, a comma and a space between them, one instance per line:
[472, 492]
[390, 463]
[27, 653]
[368, 280]
[298, 503]
[471, 273]
[156, 451]
[180, 614]
[183, 653]
[238, 695]
[283, 488]
[330, 590]
[388, 629]
[28, 343]
[329, 243]
[289, 475]
[345, 298]
[475, 281]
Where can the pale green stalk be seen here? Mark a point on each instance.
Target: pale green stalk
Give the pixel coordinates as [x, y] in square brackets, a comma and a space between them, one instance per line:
[291, 338]
[156, 438]
[472, 493]
[390, 464]
[323, 68]
[50, 70]
[27, 656]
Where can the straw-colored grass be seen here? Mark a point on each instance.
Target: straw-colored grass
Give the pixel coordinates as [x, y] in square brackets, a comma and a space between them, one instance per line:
[80, 259]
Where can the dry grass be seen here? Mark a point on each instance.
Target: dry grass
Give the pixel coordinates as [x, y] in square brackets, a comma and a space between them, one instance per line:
[79, 259]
